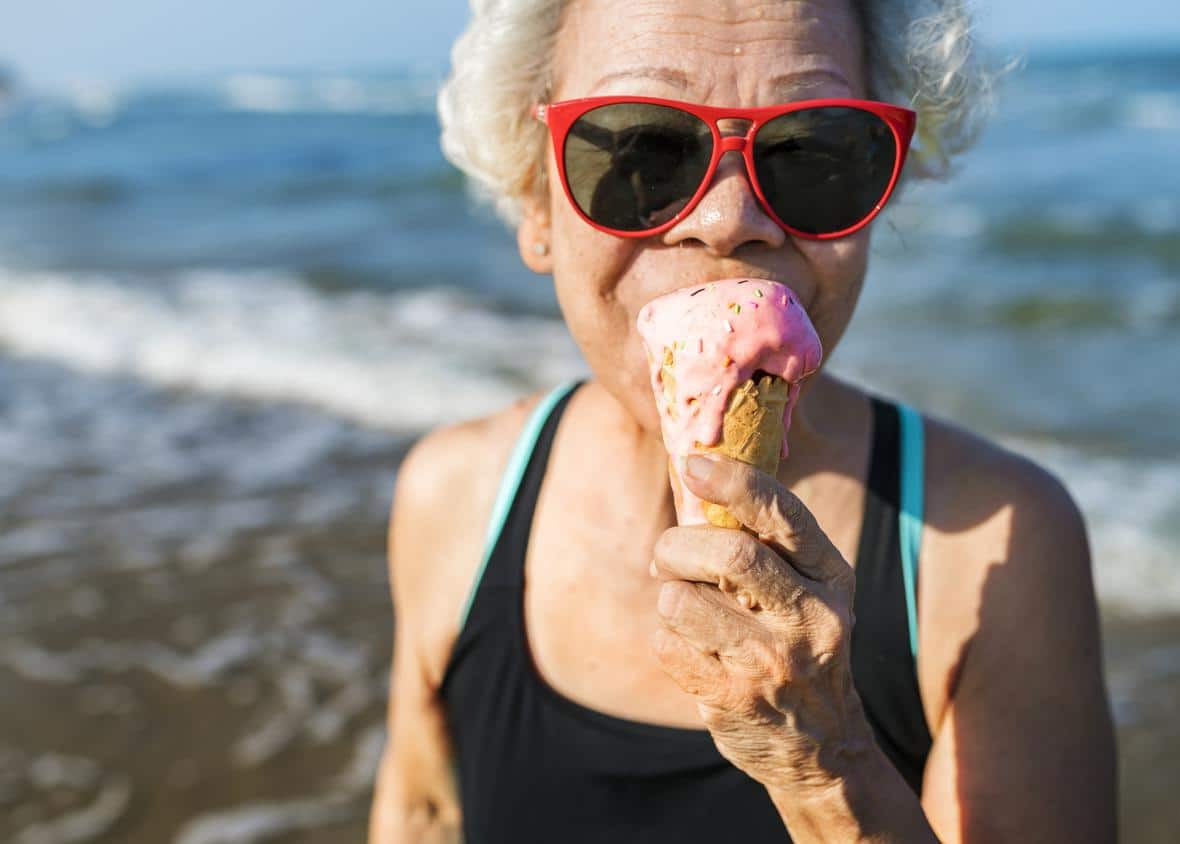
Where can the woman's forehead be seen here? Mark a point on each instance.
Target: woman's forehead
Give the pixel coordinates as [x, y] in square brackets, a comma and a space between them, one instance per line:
[721, 51]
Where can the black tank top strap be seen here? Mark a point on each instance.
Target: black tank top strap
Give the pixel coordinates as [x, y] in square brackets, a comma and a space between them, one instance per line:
[882, 660]
[502, 568]
[506, 569]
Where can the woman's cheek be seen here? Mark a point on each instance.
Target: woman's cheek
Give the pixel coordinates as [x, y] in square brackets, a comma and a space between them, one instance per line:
[839, 268]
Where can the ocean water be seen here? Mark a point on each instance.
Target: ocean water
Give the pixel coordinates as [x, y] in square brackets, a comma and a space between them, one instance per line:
[226, 307]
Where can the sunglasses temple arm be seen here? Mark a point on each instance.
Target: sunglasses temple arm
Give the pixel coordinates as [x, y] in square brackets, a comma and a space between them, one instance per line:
[603, 139]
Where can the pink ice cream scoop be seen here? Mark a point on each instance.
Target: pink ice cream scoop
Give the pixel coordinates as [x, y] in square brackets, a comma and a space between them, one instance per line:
[705, 342]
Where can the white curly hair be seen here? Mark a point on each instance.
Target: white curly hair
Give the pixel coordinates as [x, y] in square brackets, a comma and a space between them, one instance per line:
[920, 53]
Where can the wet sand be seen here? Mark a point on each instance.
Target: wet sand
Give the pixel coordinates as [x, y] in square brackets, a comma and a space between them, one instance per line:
[1143, 675]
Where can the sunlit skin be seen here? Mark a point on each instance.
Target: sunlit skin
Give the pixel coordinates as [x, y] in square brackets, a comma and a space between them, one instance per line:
[747, 638]
[602, 281]
[726, 53]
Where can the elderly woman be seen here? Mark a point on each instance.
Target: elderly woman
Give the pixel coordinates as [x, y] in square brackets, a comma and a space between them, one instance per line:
[569, 665]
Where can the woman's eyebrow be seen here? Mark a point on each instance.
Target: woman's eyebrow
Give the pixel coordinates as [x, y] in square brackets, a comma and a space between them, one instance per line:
[781, 85]
[669, 75]
[786, 84]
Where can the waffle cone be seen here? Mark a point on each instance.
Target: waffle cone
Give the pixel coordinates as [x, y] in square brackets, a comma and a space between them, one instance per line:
[752, 428]
[752, 432]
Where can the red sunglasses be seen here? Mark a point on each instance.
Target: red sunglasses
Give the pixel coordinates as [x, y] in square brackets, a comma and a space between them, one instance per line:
[636, 166]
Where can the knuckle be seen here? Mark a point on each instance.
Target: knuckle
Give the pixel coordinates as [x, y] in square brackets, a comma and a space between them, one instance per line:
[782, 673]
[743, 555]
[789, 508]
[747, 481]
[824, 618]
[827, 660]
[758, 657]
[664, 545]
[785, 513]
[829, 637]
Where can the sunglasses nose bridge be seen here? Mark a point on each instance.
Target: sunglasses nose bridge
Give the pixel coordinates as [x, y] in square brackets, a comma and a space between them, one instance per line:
[733, 143]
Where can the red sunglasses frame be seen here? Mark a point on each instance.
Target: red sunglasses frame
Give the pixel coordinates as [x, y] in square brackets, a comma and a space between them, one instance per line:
[560, 116]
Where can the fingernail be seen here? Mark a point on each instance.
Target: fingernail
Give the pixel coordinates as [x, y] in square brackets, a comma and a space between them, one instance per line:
[655, 572]
[701, 468]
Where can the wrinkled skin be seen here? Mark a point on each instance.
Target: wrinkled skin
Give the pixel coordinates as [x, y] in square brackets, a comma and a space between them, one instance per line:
[727, 51]
[758, 626]
[758, 631]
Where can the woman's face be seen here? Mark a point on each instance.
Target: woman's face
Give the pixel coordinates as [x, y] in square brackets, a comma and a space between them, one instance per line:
[713, 52]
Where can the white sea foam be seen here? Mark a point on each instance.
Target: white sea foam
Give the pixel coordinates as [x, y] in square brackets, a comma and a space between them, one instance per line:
[263, 821]
[404, 361]
[214, 658]
[88, 823]
[411, 360]
[258, 822]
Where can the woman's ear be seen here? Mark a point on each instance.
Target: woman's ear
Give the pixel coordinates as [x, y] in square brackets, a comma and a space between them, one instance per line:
[533, 236]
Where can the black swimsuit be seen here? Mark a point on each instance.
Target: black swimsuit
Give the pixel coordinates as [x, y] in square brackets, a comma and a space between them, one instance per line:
[535, 766]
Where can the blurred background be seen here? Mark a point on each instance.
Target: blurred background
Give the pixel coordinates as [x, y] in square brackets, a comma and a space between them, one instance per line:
[234, 268]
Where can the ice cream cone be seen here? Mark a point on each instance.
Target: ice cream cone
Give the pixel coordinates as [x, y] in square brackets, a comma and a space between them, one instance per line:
[726, 362]
[751, 431]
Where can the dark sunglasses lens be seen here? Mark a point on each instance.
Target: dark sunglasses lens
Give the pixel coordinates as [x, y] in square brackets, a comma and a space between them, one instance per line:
[824, 170]
[634, 166]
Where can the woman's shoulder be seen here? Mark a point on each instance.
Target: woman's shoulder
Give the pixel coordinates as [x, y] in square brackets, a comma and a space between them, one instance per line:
[967, 474]
[461, 459]
[979, 475]
[997, 525]
[445, 489]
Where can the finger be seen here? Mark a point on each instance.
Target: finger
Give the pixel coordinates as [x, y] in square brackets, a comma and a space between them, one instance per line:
[695, 672]
[733, 560]
[769, 509]
[703, 616]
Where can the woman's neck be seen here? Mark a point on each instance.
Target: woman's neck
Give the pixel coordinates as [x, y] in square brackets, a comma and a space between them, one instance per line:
[823, 423]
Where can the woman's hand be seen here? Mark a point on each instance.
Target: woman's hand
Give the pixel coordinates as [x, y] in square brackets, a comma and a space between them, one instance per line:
[757, 625]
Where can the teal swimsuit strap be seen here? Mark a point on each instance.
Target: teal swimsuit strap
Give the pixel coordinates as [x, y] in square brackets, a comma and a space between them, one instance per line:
[910, 513]
[517, 463]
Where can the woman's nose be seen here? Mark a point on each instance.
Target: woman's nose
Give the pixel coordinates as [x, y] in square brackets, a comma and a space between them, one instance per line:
[728, 215]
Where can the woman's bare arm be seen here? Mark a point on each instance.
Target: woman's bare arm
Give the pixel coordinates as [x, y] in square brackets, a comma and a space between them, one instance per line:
[1026, 748]
[445, 489]
[415, 799]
